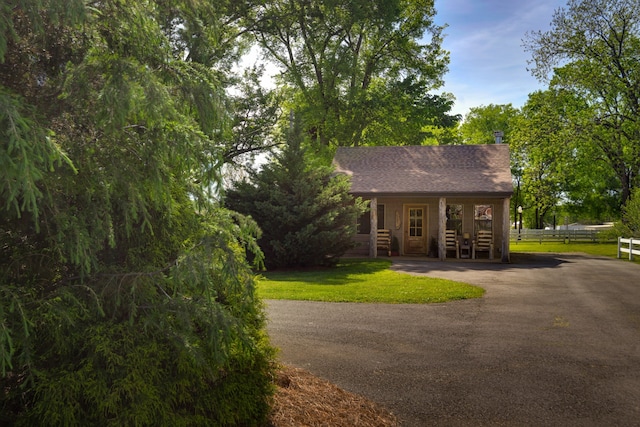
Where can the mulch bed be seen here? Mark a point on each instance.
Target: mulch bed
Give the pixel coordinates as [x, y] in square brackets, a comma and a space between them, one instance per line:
[303, 399]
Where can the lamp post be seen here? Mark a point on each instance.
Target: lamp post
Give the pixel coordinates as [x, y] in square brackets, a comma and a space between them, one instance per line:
[519, 221]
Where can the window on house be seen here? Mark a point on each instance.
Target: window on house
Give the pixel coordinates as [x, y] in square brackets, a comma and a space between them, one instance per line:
[364, 221]
[483, 218]
[454, 218]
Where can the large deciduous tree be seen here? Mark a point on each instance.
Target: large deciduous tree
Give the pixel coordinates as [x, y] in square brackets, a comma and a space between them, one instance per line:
[556, 165]
[125, 297]
[361, 69]
[543, 152]
[481, 122]
[592, 50]
[256, 111]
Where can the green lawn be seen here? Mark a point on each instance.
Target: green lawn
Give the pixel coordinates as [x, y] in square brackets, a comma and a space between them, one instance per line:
[370, 280]
[362, 280]
[609, 249]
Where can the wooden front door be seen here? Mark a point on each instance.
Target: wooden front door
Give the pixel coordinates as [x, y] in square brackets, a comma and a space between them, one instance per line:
[415, 229]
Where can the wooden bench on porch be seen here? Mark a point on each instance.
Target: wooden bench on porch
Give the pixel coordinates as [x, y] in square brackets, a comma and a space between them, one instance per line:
[384, 240]
[483, 243]
[451, 242]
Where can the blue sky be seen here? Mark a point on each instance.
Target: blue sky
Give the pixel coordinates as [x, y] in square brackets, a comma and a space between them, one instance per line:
[488, 64]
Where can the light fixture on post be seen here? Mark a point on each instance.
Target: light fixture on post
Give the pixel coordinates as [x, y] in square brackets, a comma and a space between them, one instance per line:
[519, 221]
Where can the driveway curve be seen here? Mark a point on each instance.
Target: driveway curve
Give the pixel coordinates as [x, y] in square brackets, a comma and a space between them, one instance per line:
[555, 341]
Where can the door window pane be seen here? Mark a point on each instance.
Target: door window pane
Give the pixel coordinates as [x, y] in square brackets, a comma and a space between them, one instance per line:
[415, 222]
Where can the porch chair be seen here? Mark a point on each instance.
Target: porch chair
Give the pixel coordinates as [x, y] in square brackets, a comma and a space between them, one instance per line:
[483, 243]
[451, 242]
[384, 240]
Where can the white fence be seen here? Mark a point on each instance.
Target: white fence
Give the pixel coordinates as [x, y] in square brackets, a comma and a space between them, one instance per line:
[565, 235]
[630, 242]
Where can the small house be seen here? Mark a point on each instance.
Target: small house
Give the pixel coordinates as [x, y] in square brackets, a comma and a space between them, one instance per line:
[444, 201]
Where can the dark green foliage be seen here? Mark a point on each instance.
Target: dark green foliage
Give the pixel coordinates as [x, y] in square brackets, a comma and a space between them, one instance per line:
[125, 295]
[630, 224]
[631, 215]
[306, 214]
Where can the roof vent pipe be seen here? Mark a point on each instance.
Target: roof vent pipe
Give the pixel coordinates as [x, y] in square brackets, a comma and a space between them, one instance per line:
[498, 134]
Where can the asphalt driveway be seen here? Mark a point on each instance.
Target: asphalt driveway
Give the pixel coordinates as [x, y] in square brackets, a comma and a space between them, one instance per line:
[555, 341]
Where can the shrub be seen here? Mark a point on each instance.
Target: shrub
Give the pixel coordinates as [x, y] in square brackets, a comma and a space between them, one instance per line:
[629, 226]
[175, 347]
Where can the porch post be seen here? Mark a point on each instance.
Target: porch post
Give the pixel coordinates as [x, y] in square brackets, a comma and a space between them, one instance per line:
[373, 235]
[442, 227]
[506, 229]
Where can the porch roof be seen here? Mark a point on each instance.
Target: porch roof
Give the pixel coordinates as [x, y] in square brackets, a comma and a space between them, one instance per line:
[443, 170]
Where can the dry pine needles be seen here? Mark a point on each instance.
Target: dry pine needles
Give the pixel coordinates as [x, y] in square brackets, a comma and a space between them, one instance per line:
[303, 399]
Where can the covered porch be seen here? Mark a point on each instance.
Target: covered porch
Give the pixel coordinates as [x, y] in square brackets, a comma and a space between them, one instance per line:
[465, 229]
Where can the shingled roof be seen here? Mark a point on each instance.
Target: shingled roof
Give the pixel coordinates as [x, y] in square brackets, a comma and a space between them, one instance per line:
[454, 170]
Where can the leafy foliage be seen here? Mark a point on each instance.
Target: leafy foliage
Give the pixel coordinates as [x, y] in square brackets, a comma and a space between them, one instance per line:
[629, 226]
[591, 50]
[542, 147]
[125, 295]
[481, 122]
[306, 214]
[360, 69]
[631, 216]
[256, 113]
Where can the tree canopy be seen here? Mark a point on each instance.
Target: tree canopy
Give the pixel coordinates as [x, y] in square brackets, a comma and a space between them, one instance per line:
[543, 150]
[361, 70]
[592, 50]
[481, 122]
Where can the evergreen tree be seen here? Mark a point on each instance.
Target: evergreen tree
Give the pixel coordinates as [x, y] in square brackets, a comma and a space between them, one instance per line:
[306, 214]
[125, 297]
